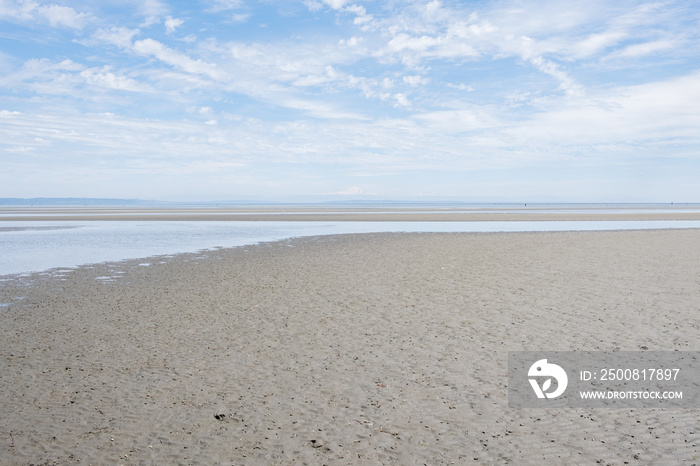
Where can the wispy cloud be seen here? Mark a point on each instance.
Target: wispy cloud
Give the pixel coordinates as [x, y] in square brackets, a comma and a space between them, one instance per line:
[644, 49]
[177, 59]
[222, 5]
[355, 191]
[51, 13]
[418, 96]
[172, 23]
[119, 36]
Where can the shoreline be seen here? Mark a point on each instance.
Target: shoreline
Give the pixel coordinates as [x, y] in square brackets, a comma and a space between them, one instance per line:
[414, 213]
[144, 256]
[42, 245]
[369, 348]
[359, 217]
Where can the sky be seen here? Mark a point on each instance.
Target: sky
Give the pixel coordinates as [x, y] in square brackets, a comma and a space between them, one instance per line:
[478, 101]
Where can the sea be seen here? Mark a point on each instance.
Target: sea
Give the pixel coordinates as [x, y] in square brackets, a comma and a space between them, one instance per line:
[28, 246]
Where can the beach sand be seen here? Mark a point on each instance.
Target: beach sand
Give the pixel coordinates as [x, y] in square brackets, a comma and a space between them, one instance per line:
[350, 349]
[333, 213]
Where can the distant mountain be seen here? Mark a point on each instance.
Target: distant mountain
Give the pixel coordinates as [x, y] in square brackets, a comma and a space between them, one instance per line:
[71, 201]
[291, 200]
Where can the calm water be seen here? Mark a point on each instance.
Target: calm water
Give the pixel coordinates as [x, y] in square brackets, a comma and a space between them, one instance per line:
[29, 246]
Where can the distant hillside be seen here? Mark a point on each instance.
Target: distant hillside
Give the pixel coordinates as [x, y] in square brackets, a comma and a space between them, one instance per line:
[70, 201]
[292, 200]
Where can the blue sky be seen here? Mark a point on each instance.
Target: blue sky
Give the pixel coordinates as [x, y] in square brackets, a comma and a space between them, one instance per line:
[499, 101]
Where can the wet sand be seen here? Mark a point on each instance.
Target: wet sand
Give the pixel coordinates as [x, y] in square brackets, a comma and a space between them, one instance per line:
[413, 213]
[348, 349]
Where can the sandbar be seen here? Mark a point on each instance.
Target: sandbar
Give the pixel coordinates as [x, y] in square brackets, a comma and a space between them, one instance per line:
[383, 348]
[314, 213]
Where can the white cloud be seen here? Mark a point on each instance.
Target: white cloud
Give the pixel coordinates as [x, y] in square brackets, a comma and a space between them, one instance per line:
[72, 79]
[355, 191]
[595, 43]
[240, 17]
[58, 15]
[567, 83]
[411, 50]
[19, 149]
[149, 8]
[419, 44]
[361, 18]
[352, 42]
[150, 21]
[318, 109]
[461, 87]
[55, 15]
[456, 121]
[106, 79]
[335, 4]
[119, 36]
[372, 91]
[402, 100]
[227, 4]
[43, 76]
[313, 5]
[329, 75]
[218, 6]
[634, 118]
[177, 59]
[415, 80]
[643, 49]
[172, 23]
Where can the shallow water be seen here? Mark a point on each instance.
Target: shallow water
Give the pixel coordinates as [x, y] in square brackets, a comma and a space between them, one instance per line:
[29, 246]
